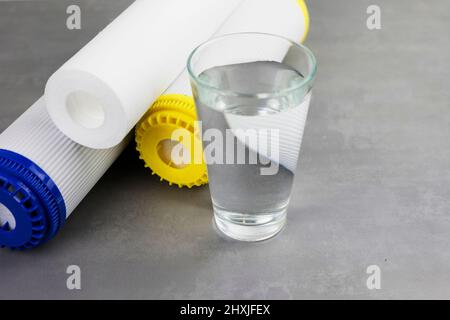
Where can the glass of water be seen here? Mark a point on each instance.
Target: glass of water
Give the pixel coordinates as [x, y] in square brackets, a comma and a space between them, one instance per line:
[252, 94]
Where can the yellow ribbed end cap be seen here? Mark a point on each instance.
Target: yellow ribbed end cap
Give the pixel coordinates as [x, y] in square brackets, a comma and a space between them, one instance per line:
[155, 141]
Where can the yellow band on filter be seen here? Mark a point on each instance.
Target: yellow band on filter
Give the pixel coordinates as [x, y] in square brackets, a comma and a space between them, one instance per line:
[305, 11]
[169, 124]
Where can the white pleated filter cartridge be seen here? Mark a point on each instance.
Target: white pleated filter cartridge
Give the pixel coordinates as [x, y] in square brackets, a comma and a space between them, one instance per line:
[282, 148]
[287, 18]
[44, 175]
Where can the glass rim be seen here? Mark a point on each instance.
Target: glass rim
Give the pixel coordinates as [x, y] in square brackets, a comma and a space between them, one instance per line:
[308, 79]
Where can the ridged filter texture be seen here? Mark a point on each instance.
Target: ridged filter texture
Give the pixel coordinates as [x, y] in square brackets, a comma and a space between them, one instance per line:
[75, 169]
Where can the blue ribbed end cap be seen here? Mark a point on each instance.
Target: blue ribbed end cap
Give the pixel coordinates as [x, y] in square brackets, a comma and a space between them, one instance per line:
[32, 198]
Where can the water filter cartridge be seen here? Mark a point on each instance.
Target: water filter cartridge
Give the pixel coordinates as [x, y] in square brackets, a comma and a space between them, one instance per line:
[288, 18]
[100, 94]
[43, 176]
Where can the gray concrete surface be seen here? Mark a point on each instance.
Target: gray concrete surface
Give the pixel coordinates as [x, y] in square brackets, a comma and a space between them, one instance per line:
[373, 185]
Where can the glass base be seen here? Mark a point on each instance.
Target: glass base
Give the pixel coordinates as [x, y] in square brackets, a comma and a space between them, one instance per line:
[249, 227]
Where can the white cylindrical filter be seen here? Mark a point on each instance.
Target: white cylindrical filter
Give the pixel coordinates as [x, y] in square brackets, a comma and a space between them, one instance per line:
[287, 18]
[99, 94]
[44, 175]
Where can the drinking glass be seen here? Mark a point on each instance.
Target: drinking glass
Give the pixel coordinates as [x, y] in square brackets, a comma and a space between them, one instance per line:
[252, 94]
